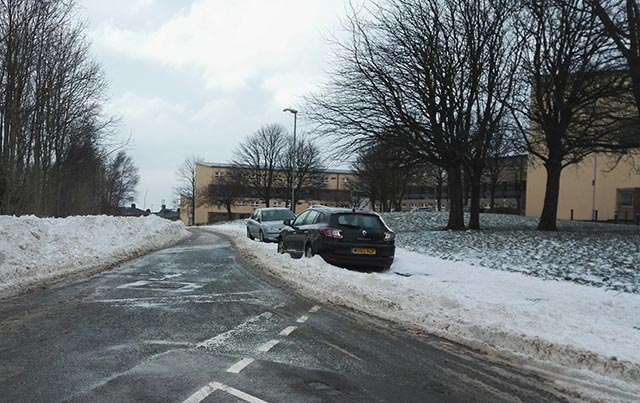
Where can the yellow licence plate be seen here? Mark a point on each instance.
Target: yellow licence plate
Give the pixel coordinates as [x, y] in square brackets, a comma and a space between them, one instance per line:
[364, 251]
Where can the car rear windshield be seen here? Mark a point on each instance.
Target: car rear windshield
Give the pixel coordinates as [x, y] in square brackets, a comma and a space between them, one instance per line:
[362, 221]
[277, 215]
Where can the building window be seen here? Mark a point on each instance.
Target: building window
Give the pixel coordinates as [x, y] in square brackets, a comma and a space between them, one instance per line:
[325, 180]
[219, 174]
[241, 203]
[254, 204]
[345, 180]
[277, 204]
[626, 199]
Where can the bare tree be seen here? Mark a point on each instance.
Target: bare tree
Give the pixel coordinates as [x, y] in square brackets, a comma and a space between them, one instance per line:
[577, 96]
[621, 22]
[309, 168]
[119, 183]
[432, 179]
[383, 176]
[260, 156]
[186, 189]
[498, 162]
[224, 190]
[423, 75]
[51, 123]
[496, 54]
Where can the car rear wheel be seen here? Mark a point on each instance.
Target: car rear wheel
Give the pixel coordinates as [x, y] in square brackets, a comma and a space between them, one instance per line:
[249, 235]
[308, 251]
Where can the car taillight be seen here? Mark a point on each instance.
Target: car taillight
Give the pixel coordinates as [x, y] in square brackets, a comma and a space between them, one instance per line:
[389, 236]
[331, 232]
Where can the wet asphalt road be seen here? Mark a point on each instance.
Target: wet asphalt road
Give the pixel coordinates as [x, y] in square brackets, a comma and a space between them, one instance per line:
[192, 324]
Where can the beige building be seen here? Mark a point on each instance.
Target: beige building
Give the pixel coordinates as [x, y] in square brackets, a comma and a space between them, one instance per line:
[336, 192]
[596, 188]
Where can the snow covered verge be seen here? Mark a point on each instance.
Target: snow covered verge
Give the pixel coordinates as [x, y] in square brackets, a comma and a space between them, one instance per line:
[586, 337]
[34, 250]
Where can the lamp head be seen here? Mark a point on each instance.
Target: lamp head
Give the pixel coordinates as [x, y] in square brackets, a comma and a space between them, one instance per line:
[290, 110]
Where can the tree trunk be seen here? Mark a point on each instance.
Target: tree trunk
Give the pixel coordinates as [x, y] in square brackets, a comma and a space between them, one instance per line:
[456, 211]
[474, 209]
[229, 213]
[549, 214]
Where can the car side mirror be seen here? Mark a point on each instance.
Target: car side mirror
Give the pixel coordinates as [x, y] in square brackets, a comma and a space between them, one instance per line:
[258, 219]
[287, 222]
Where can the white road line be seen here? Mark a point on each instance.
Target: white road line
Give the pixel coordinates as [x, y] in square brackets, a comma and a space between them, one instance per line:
[268, 345]
[302, 319]
[314, 309]
[169, 343]
[223, 337]
[288, 330]
[240, 365]
[213, 386]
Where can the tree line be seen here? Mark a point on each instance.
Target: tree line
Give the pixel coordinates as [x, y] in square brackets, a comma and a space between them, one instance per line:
[261, 169]
[56, 151]
[443, 82]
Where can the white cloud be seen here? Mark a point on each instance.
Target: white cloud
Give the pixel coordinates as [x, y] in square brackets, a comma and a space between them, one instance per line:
[197, 76]
[231, 43]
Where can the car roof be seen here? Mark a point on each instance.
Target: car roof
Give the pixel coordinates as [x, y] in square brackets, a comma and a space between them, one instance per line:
[341, 210]
[271, 208]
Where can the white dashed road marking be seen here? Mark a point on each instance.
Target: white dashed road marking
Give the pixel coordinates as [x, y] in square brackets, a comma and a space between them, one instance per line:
[240, 365]
[205, 391]
[247, 325]
[213, 386]
[268, 345]
[287, 331]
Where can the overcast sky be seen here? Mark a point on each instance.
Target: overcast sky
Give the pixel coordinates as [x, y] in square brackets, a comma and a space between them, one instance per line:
[196, 77]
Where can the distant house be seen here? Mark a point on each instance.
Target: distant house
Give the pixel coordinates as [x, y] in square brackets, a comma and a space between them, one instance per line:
[168, 214]
[133, 211]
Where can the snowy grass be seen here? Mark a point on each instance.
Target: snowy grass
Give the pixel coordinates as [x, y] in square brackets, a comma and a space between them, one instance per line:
[595, 254]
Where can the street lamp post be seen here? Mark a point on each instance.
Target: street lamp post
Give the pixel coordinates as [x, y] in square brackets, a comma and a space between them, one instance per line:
[293, 158]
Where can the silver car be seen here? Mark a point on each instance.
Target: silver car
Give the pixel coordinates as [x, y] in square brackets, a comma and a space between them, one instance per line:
[266, 223]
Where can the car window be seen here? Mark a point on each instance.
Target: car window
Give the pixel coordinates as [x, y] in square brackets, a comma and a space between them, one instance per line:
[301, 218]
[322, 218]
[267, 216]
[361, 221]
[281, 215]
[311, 218]
[254, 216]
[370, 222]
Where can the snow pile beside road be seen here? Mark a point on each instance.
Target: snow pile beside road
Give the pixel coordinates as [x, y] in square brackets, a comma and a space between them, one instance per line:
[580, 331]
[36, 249]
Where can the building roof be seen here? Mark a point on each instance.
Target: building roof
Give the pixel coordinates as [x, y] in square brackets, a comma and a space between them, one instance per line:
[227, 165]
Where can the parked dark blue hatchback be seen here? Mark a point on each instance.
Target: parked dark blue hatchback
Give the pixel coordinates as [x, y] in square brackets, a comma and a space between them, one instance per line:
[342, 237]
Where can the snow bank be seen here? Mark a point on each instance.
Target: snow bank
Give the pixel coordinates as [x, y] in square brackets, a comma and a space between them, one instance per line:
[576, 330]
[36, 249]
